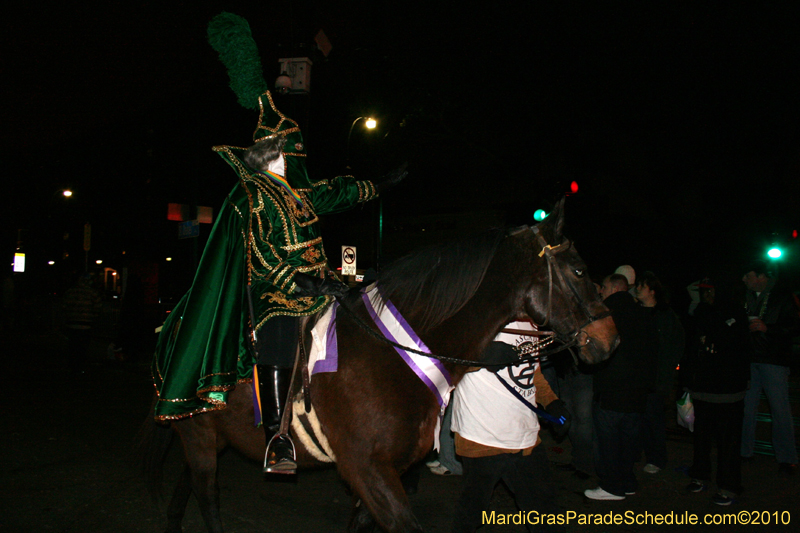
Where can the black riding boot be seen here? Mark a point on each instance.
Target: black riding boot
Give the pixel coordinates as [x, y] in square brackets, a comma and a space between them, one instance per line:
[274, 386]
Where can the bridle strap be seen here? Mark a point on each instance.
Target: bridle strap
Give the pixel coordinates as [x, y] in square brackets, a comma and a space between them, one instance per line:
[567, 342]
[536, 356]
[548, 251]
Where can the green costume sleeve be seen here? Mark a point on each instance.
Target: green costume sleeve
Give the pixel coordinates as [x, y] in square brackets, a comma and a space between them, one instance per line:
[340, 194]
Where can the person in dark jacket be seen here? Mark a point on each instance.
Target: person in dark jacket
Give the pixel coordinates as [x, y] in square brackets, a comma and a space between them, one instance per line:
[772, 322]
[621, 386]
[716, 371]
[671, 344]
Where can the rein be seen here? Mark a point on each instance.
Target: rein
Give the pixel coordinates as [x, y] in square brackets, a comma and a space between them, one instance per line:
[527, 351]
[542, 354]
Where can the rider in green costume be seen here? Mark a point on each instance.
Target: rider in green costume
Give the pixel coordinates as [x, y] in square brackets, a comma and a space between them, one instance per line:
[265, 241]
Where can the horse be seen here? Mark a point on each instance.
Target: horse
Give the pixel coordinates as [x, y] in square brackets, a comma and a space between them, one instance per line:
[378, 417]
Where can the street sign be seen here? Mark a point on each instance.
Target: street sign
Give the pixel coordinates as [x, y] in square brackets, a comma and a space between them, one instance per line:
[348, 260]
[188, 229]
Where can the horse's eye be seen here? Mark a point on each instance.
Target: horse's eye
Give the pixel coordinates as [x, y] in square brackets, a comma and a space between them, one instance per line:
[579, 272]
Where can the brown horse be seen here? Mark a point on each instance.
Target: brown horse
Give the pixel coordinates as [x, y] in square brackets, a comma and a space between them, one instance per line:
[378, 417]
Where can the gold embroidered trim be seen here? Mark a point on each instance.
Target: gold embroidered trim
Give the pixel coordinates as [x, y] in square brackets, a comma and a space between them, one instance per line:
[283, 312]
[281, 118]
[301, 245]
[213, 407]
[311, 255]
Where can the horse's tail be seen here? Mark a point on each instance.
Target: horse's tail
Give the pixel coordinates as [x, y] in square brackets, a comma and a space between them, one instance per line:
[150, 452]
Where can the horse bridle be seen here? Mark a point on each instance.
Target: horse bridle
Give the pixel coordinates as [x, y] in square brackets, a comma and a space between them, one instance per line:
[531, 351]
[548, 252]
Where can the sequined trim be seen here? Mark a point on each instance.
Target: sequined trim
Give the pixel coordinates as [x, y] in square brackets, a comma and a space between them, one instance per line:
[281, 119]
[215, 405]
[301, 245]
[311, 255]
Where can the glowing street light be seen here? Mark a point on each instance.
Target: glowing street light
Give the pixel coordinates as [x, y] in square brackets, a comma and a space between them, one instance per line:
[66, 193]
[370, 124]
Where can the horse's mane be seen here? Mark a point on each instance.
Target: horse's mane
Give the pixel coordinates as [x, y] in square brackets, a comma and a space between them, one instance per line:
[434, 282]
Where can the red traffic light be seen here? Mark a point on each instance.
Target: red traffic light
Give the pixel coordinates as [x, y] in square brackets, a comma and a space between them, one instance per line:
[573, 188]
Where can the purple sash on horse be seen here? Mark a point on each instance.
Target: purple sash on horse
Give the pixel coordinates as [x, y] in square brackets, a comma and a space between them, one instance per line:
[395, 328]
[324, 355]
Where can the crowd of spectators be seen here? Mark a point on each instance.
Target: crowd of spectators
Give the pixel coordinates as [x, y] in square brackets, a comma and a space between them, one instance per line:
[725, 350]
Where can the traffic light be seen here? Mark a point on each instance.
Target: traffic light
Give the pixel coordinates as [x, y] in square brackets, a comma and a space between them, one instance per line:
[539, 215]
[774, 252]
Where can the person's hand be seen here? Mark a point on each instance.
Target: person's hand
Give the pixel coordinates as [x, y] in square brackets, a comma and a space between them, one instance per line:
[558, 409]
[498, 355]
[313, 286]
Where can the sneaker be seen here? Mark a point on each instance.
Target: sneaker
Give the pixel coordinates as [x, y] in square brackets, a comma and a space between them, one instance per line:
[650, 468]
[629, 493]
[721, 499]
[440, 470]
[696, 486]
[433, 464]
[600, 494]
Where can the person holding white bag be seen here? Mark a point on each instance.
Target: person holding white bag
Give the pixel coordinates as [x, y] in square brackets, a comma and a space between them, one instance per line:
[716, 371]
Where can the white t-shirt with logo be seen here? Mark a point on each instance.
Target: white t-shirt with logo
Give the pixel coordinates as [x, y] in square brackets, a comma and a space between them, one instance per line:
[486, 412]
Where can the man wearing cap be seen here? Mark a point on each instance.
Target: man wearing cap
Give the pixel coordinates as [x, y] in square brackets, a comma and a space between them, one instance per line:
[773, 322]
[263, 267]
[629, 273]
[621, 386]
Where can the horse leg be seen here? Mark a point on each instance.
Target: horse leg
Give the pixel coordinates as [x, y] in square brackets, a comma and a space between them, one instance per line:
[200, 450]
[383, 500]
[177, 505]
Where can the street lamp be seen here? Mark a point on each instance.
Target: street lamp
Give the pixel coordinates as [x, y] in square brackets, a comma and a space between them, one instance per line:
[370, 123]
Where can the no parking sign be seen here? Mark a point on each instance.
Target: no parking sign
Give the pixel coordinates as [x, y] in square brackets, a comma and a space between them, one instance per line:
[348, 260]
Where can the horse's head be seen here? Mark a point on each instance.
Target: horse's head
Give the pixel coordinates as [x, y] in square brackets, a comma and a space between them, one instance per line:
[563, 297]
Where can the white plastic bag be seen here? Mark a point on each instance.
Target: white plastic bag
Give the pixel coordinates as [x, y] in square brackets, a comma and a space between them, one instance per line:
[686, 412]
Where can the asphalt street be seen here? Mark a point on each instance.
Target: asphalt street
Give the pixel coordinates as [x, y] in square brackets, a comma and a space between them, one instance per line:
[66, 468]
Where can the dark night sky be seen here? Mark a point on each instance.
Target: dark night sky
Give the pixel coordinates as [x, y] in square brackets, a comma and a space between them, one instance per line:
[680, 123]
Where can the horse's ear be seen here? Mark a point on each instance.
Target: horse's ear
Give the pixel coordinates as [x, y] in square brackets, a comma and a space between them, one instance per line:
[555, 221]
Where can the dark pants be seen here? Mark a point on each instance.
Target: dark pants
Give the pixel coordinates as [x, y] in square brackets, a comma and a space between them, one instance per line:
[654, 429]
[575, 390]
[617, 445]
[721, 422]
[527, 477]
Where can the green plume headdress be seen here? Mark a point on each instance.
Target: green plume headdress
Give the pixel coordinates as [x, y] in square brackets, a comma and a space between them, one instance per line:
[230, 36]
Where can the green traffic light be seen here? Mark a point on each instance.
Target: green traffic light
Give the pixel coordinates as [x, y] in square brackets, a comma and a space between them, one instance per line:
[774, 253]
[539, 215]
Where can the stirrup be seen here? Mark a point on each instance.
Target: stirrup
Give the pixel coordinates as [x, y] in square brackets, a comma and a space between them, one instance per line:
[280, 457]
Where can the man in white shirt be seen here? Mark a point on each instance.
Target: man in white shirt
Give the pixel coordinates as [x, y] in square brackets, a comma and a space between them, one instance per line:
[497, 437]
